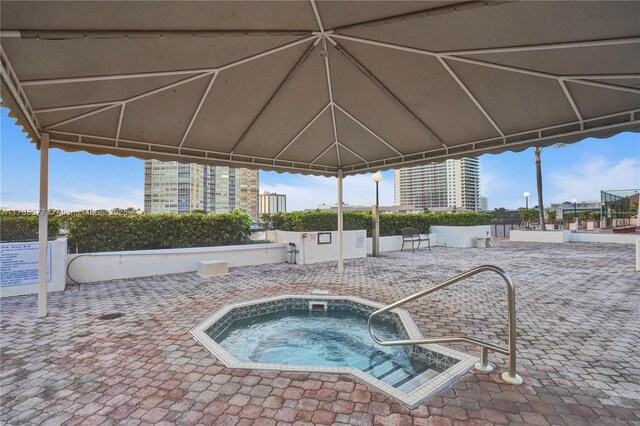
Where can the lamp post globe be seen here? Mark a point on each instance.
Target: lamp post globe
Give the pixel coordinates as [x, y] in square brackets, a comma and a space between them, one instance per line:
[377, 177]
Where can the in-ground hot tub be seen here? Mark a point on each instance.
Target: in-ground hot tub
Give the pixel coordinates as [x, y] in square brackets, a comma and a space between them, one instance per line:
[328, 334]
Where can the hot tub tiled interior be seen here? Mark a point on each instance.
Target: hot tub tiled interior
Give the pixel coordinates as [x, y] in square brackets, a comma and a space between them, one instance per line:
[410, 374]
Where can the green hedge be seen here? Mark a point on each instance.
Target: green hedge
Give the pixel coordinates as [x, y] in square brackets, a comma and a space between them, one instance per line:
[16, 228]
[95, 233]
[390, 224]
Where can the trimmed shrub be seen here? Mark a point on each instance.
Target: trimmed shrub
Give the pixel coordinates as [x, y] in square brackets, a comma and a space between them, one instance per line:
[17, 228]
[96, 233]
[390, 224]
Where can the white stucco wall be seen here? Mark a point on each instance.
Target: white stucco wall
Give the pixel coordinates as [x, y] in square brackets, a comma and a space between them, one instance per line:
[312, 252]
[393, 243]
[568, 236]
[90, 267]
[57, 267]
[458, 236]
[558, 237]
[582, 237]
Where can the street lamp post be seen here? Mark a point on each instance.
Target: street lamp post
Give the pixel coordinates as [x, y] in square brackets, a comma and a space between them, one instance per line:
[575, 212]
[526, 199]
[375, 216]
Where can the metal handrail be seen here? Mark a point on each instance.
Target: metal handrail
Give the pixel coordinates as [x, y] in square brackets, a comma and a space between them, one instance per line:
[511, 376]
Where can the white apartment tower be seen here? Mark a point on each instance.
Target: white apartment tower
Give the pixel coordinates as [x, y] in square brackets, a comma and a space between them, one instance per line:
[451, 184]
[270, 202]
[171, 187]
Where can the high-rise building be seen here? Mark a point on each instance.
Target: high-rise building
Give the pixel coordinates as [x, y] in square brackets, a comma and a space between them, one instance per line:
[484, 204]
[171, 187]
[270, 202]
[451, 184]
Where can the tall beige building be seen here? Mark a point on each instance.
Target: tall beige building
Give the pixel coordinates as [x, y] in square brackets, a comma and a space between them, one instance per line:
[451, 184]
[171, 187]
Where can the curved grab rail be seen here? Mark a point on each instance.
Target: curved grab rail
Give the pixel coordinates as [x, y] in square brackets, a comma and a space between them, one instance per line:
[511, 376]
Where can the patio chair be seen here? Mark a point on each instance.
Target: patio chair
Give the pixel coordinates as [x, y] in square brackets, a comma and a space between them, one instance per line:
[412, 235]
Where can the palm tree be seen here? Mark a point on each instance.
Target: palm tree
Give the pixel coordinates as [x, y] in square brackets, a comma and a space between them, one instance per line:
[538, 150]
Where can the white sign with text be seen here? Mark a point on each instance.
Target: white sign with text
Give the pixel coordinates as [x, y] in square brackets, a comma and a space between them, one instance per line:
[19, 263]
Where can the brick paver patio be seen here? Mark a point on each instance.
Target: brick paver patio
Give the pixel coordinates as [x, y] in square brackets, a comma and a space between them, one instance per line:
[578, 348]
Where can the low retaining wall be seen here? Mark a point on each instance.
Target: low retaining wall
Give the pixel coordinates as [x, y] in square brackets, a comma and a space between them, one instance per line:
[314, 247]
[20, 267]
[90, 267]
[458, 236]
[603, 238]
[392, 243]
[540, 236]
[568, 236]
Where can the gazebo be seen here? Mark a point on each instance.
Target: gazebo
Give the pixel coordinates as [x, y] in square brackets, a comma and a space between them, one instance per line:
[332, 88]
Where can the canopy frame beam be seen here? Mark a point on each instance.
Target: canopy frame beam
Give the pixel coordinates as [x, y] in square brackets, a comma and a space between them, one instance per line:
[574, 106]
[325, 55]
[471, 96]
[128, 100]
[545, 46]
[15, 86]
[304, 129]
[625, 119]
[168, 73]
[303, 58]
[203, 98]
[361, 124]
[119, 129]
[371, 76]
[340, 144]
[485, 63]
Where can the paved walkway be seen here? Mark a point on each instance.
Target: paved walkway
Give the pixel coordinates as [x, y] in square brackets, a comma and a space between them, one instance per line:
[578, 348]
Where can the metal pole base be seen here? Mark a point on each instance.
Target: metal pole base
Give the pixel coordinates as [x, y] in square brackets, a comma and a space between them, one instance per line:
[515, 380]
[479, 368]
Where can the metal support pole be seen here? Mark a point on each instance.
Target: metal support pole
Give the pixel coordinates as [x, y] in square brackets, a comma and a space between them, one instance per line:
[340, 223]
[483, 366]
[43, 225]
[375, 231]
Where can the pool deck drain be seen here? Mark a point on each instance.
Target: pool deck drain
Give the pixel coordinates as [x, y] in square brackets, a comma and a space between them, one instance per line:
[69, 368]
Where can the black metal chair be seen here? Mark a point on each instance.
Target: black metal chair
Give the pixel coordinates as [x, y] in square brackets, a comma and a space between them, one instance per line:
[412, 235]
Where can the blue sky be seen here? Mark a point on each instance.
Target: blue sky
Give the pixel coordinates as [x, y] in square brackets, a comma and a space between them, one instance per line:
[85, 181]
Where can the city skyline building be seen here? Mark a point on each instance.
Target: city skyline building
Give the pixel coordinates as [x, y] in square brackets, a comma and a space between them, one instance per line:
[451, 185]
[270, 202]
[172, 187]
[484, 204]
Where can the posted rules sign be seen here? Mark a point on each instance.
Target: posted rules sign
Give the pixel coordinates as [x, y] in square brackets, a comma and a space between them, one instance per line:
[19, 263]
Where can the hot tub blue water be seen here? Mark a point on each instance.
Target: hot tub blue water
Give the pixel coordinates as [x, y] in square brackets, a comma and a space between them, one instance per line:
[325, 338]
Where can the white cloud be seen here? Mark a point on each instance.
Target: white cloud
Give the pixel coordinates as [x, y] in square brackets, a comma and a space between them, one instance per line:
[585, 180]
[306, 192]
[72, 200]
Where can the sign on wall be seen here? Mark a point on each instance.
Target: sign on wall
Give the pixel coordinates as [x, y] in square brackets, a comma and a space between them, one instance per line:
[360, 238]
[324, 237]
[19, 263]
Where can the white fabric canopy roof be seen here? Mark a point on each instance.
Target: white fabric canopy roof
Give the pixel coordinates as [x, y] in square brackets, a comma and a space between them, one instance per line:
[314, 87]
